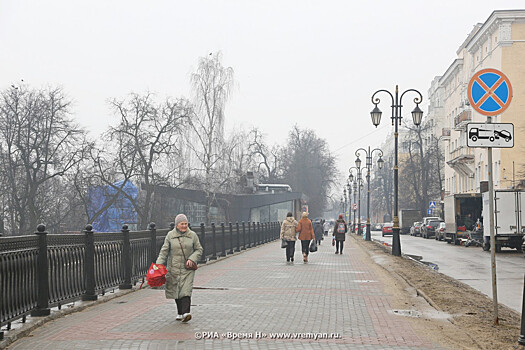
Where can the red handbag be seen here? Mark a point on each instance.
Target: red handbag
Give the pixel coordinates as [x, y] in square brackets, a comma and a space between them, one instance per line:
[156, 275]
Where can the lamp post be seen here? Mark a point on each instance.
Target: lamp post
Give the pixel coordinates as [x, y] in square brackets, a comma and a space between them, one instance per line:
[349, 190]
[359, 180]
[417, 115]
[345, 204]
[355, 203]
[368, 159]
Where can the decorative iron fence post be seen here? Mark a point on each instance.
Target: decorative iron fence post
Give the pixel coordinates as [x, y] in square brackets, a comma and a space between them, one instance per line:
[256, 228]
[238, 249]
[42, 306]
[249, 235]
[254, 234]
[126, 258]
[223, 233]
[243, 235]
[214, 239]
[203, 244]
[153, 243]
[89, 264]
[231, 238]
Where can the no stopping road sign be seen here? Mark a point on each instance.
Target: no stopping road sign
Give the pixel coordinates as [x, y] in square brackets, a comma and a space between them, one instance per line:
[489, 92]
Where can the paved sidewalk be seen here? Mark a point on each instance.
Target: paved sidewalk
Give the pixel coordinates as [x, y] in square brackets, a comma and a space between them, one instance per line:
[347, 301]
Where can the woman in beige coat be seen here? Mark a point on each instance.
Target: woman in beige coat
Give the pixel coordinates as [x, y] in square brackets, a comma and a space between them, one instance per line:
[180, 252]
[289, 235]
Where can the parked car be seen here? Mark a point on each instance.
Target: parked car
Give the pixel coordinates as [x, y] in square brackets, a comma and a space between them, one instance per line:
[440, 231]
[426, 219]
[387, 229]
[415, 229]
[429, 230]
[378, 227]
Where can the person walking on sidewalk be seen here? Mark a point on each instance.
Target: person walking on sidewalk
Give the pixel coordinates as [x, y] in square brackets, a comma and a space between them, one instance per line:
[318, 232]
[289, 235]
[306, 234]
[339, 234]
[180, 252]
[326, 227]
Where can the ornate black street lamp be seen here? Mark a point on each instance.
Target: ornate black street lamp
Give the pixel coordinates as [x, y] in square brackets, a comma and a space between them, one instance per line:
[349, 190]
[417, 115]
[359, 180]
[355, 203]
[368, 159]
[345, 204]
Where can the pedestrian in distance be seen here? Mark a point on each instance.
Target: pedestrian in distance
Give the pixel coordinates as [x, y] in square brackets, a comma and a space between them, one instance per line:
[326, 227]
[318, 232]
[289, 235]
[180, 252]
[306, 234]
[339, 234]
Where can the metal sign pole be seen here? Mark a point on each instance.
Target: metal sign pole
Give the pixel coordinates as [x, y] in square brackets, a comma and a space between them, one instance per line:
[492, 236]
[490, 93]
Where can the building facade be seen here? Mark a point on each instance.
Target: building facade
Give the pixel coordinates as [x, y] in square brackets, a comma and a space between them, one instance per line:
[497, 43]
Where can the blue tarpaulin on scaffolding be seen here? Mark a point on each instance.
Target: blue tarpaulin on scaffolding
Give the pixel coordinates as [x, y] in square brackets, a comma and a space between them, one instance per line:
[119, 213]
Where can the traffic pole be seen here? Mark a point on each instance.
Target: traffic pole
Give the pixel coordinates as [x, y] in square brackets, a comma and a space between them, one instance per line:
[492, 236]
[521, 340]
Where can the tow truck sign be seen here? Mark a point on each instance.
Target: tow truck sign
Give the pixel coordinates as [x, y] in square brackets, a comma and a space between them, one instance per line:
[499, 135]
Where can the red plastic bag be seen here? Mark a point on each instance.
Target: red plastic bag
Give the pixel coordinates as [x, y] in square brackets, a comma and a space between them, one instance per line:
[156, 275]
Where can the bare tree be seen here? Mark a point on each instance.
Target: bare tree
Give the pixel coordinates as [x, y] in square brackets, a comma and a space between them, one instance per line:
[420, 169]
[39, 142]
[235, 163]
[268, 158]
[147, 135]
[211, 84]
[309, 167]
[382, 186]
[95, 173]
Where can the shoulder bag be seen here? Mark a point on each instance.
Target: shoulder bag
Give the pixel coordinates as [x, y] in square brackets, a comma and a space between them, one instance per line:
[194, 265]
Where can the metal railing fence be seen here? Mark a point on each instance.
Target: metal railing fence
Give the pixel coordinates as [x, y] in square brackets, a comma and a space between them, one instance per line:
[49, 270]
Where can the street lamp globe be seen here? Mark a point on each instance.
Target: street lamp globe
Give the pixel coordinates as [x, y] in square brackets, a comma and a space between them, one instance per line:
[417, 115]
[351, 177]
[376, 116]
[380, 163]
[358, 163]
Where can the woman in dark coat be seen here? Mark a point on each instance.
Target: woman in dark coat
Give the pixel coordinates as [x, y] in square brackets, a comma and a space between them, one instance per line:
[318, 232]
[339, 234]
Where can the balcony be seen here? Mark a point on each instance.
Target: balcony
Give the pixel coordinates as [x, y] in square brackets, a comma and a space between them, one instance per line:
[461, 120]
[460, 160]
[445, 133]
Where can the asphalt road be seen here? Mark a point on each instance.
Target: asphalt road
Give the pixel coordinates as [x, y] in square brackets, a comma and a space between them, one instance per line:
[471, 265]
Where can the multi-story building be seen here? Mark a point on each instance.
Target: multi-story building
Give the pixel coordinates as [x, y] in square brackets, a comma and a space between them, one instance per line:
[497, 43]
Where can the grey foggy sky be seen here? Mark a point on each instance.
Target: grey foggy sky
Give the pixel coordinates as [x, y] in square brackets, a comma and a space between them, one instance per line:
[311, 63]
